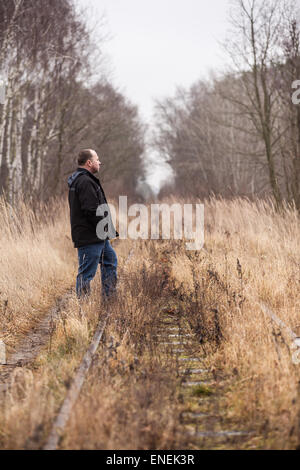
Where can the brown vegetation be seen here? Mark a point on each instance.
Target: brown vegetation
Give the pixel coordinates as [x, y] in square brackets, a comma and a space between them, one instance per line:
[131, 399]
[252, 256]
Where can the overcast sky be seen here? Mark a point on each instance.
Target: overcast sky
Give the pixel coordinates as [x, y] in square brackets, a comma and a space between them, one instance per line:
[157, 45]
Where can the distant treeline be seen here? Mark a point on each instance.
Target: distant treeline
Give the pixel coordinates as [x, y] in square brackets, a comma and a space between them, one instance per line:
[239, 134]
[52, 108]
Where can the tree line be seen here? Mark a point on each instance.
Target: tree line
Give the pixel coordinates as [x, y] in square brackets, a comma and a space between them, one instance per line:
[239, 133]
[52, 108]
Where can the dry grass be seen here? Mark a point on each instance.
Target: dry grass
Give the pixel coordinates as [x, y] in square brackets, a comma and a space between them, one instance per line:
[37, 264]
[130, 400]
[130, 382]
[252, 255]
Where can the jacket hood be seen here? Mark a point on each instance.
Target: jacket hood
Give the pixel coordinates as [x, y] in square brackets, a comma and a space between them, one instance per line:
[75, 175]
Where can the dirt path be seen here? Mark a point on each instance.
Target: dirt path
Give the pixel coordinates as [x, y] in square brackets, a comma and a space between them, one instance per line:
[31, 345]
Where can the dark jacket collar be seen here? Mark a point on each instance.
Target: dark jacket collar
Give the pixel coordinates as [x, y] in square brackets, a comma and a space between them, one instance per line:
[79, 172]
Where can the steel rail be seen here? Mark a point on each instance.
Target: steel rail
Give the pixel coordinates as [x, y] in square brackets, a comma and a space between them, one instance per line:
[63, 416]
[269, 312]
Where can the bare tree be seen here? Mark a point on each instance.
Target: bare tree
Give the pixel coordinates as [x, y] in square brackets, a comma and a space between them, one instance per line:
[240, 133]
[255, 50]
[288, 72]
[201, 135]
[50, 108]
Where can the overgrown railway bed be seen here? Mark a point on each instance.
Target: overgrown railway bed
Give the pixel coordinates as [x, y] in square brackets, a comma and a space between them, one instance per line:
[202, 423]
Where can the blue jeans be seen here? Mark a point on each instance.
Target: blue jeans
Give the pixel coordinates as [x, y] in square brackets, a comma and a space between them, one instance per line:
[89, 257]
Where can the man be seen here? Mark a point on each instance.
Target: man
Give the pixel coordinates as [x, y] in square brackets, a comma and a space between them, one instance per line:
[85, 197]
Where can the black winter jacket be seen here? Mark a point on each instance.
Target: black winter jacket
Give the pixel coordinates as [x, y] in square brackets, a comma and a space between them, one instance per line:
[85, 195]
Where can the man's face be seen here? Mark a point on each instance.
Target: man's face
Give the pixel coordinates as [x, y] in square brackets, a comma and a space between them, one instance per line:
[95, 163]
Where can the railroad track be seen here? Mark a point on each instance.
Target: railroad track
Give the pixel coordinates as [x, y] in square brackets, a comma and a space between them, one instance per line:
[203, 421]
[200, 426]
[30, 348]
[65, 411]
[203, 425]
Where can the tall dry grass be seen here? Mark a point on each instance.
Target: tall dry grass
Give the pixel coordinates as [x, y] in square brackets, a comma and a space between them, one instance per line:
[37, 264]
[129, 399]
[252, 256]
